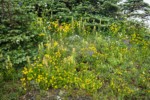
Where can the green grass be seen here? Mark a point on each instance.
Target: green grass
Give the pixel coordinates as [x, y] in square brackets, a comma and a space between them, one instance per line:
[10, 90]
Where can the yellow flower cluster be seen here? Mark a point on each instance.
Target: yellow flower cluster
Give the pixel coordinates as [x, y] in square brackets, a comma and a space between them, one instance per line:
[58, 54]
[42, 34]
[119, 86]
[41, 78]
[69, 60]
[90, 50]
[57, 72]
[64, 28]
[35, 73]
[114, 28]
[25, 71]
[53, 24]
[55, 44]
[57, 27]
[137, 39]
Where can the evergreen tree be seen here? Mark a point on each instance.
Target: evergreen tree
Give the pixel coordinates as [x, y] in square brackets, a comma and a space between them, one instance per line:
[105, 8]
[16, 40]
[132, 8]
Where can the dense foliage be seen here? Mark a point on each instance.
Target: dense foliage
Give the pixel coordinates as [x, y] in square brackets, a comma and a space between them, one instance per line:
[87, 47]
[132, 8]
[16, 38]
[117, 64]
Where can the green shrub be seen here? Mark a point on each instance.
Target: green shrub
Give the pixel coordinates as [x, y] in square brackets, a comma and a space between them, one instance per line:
[17, 36]
[1, 77]
[56, 70]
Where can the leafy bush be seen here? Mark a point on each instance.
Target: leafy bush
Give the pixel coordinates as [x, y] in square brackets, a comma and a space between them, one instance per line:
[15, 37]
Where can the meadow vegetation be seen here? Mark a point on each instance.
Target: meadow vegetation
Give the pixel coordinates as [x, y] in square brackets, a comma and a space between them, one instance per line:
[73, 60]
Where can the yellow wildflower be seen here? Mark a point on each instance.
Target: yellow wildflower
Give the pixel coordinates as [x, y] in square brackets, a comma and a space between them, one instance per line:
[83, 86]
[24, 84]
[25, 71]
[55, 87]
[29, 78]
[55, 43]
[42, 34]
[58, 54]
[46, 55]
[30, 70]
[22, 79]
